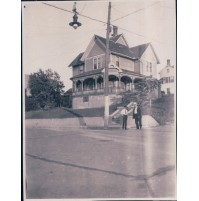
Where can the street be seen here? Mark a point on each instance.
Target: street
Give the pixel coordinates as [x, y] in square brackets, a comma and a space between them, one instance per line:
[97, 163]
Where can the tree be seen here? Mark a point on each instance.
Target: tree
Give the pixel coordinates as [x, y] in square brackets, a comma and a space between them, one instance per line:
[46, 88]
[145, 88]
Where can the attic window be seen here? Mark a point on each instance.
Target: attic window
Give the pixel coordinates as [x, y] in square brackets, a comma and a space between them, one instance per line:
[97, 63]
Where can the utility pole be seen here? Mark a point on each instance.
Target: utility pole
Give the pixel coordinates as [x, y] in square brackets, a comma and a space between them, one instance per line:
[106, 76]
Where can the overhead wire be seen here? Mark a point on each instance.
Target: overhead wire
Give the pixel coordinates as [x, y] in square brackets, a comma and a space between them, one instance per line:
[136, 11]
[112, 20]
[91, 18]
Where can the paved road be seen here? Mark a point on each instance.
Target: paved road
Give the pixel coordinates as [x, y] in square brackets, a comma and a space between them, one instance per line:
[89, 163]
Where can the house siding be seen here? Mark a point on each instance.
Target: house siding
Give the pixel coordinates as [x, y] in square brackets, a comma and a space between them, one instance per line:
[137, 67]
[88, 64]
[76, 70]
[94, 101]
[147, 58]
[96, 50]
[126, 64]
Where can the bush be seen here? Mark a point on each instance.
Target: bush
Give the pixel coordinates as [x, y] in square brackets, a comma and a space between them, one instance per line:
[30, 104]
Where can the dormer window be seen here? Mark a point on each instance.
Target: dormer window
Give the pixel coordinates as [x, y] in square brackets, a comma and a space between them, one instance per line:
[97, 63]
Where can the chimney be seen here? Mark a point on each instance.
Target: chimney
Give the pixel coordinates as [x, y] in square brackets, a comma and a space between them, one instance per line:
[115, 31]
[168, 62]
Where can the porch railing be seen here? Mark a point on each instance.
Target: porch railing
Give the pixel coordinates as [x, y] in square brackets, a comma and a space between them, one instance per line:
[112, 90]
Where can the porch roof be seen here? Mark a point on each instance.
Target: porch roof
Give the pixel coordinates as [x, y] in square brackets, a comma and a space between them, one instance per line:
[89, 73]
[132, 73]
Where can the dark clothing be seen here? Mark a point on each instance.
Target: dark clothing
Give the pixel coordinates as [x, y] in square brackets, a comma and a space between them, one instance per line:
[138, 117]
[124, 121]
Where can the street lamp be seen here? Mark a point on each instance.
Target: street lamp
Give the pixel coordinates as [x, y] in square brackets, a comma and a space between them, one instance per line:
[75, 23]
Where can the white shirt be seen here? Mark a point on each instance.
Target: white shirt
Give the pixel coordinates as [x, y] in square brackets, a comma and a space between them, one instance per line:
[124, 111]
[136, 110]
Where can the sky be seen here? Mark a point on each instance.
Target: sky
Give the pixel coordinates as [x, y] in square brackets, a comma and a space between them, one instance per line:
[49, 42]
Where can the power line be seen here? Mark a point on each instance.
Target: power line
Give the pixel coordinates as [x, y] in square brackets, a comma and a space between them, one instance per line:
[72, 12]
[112, 21]
[139, 34]
[135, 11]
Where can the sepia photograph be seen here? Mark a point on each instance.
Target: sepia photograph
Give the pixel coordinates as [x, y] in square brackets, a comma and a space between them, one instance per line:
[99, 100]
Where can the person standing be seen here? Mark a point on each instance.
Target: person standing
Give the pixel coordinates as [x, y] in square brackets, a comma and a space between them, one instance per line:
[137, 115]
[124, 114]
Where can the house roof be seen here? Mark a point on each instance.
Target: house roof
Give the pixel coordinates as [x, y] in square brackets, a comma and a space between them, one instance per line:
[115, 38]
[117, 48]
[88, 73]
[77, 61]
[139, 50]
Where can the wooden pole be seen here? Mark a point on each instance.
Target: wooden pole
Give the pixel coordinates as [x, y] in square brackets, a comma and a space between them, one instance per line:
[106, 76]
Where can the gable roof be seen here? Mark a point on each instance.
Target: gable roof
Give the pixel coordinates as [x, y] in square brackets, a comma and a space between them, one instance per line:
[117, 48]
[115, 38]
[139, 50]
[77, 61]
[118, 37]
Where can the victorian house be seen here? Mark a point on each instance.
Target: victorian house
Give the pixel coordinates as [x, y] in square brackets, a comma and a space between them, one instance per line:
[127, 66]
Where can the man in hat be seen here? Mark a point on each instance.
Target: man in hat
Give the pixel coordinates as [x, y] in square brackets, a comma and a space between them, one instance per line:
[137, 115]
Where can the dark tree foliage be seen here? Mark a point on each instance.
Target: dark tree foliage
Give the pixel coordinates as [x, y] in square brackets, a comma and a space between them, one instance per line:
[46, 88]
[145, 88]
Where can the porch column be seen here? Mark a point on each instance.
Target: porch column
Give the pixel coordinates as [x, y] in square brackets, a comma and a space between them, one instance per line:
[82, 85]
[133, 86]
[74, 86]
[119, 81]
[95, 82]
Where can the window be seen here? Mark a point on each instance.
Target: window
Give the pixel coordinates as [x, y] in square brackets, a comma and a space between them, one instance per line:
[85, 98]
[167, 70]
[97, 63]
[172, 79]
[150, 67]
[166, 80]
[147, 66]
[168, 91]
